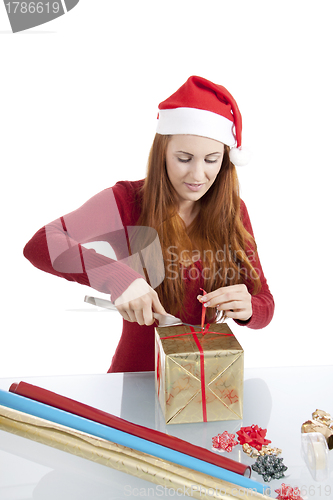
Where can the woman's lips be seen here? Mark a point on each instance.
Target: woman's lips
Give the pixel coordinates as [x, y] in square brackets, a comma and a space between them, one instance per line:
[194, 187]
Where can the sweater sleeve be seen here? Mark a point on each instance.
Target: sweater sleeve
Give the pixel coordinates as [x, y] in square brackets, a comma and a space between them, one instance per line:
[58, 249]
[263, 302]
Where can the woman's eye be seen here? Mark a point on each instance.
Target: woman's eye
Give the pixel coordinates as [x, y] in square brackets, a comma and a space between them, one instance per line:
[187, 160]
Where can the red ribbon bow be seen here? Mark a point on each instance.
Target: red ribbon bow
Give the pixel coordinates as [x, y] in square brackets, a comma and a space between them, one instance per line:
[224, 441]
[253, 436]
[288, 493]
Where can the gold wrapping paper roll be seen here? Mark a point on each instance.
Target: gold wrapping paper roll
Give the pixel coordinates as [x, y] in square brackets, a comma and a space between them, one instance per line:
[124, 459]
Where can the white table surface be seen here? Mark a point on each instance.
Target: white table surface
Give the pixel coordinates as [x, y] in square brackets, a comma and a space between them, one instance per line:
[279, 399]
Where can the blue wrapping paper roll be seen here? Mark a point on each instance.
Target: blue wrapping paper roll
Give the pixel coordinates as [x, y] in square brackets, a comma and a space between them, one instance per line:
[40, 410]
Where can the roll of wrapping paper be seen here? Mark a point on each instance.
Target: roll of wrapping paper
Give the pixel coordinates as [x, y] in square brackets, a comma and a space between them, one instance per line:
[71, 406]
[118, 457]
[41, 410]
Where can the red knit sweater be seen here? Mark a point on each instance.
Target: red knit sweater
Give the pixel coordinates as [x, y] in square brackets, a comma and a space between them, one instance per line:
[57, 249]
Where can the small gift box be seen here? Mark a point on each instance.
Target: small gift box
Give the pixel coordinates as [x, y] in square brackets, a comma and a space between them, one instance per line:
[199, 374]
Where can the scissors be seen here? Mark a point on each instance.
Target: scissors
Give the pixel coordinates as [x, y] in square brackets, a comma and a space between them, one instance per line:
[163, 319]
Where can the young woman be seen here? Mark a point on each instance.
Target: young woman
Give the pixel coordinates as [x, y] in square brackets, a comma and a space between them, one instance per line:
[181, 230]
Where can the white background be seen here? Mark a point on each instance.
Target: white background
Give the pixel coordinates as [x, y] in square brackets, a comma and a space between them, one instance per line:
[79, 99]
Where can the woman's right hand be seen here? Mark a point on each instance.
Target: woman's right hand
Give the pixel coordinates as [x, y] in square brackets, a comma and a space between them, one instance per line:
[138, 302]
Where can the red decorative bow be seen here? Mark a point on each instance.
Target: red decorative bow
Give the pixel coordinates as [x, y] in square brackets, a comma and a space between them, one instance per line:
[288, 493]
[224, 441]
[253, 435]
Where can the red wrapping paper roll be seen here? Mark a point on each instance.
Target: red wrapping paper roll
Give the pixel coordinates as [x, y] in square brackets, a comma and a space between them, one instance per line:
[80, 409]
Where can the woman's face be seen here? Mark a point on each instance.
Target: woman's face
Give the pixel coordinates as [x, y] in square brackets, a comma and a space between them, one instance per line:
[193, 163]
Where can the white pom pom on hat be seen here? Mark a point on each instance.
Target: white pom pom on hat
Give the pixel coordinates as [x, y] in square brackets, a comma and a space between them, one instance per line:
[240, 156]
[200, 107]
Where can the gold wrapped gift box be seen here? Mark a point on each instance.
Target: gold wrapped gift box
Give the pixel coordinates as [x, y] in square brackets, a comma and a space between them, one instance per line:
[178, 377]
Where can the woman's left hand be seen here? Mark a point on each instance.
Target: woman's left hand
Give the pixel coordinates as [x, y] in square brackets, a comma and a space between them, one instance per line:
[234, 301]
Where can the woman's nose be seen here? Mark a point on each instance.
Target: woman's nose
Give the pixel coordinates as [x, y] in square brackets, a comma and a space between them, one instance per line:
[198, 170]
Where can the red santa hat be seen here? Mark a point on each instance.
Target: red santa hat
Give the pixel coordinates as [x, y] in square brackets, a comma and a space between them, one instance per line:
[200, 107]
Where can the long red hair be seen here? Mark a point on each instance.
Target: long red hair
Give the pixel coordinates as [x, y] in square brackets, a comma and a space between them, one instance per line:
[216, 236]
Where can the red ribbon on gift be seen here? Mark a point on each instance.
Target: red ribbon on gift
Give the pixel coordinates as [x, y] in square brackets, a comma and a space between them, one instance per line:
[202, 374]
[158, 373]
[203, 311]
[202, 355]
